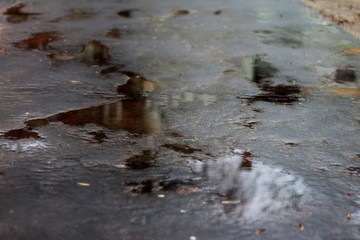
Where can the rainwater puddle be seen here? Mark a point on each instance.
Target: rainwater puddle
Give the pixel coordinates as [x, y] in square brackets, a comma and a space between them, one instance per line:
[253, 190]
[145, 160]
[261, 72]
[284, 37]
[135, 116]
[182, 148]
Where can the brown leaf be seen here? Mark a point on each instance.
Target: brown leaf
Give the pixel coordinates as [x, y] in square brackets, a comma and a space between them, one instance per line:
[348, 216]
[187, 191]
[301, 227]
[352, 51]
[259, 231]
[38, 41]
[346, 92]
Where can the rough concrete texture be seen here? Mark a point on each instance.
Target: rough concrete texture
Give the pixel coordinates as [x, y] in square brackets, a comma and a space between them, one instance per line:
[345, 13]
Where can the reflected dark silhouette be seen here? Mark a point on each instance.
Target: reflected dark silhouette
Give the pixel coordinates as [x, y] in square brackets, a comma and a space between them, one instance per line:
[17, 134]
[147, 159]
[135, 116]
[182, 148]
[15, 13]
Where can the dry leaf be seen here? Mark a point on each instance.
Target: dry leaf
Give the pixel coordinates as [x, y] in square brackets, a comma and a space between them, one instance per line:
[348, 216]
[347, 92]
[352, 51]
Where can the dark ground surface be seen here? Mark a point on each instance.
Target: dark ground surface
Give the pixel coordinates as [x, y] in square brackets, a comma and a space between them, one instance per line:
[252, 131]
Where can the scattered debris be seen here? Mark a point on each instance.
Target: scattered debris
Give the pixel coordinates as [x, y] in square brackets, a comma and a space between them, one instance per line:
[185, 191]
[114, 33]
[345, 75]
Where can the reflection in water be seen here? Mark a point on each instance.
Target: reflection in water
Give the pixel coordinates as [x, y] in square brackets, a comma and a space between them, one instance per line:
[134, 116]
[147, 159]
[254, 191]
[185, 97]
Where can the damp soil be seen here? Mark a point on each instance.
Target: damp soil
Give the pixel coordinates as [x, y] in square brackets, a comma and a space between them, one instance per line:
[163, 120]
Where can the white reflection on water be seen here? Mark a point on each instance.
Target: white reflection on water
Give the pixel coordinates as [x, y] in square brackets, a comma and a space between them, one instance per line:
[24, 146]
[252, 192]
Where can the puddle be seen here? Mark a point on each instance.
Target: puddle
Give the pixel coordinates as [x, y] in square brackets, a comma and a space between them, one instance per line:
[186, 97]
[146, 160]
[157, 185]
[261, 73]
[181, 148]
[258, 70]
[284, 37]
[94, 53]
[134, 116]
[98, 137]
[137, 86]
[17, 134]
[15, 14]
[39, 41]
[253, 190]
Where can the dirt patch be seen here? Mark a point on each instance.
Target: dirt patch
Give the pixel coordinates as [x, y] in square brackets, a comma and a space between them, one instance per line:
[345, 13]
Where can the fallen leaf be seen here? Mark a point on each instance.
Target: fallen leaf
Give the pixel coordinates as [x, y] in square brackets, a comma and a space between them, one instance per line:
[351, 193]
[187, 191]
[38, 41]
[348, 216]
[83, 184]
[259, 231]
[346, 92]
[301, 227]
[352, 51]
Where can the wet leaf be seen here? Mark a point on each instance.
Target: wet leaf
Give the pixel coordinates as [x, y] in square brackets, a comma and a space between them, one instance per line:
[301, 227]
[181, 12]
[83, 184]
[259, 231]
[113, 33]
[352, 51]
[38, 41]
[60, 57]
[187, 191]
[127, 13]
[94, 53]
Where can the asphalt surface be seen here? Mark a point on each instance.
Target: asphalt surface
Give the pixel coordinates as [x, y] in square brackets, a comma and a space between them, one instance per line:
[177, 120]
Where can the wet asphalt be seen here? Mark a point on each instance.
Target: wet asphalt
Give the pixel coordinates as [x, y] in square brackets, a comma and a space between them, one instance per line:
[177, 120]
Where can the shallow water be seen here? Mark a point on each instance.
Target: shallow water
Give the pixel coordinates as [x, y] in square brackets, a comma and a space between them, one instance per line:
[166, 120]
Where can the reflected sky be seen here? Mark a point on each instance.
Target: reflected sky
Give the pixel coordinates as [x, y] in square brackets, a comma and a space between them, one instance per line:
[253, 192]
